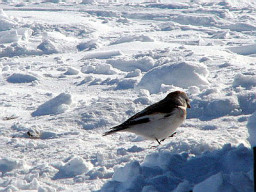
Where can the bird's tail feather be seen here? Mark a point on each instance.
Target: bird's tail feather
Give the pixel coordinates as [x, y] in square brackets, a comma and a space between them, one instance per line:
[109, 132]
[114, 130]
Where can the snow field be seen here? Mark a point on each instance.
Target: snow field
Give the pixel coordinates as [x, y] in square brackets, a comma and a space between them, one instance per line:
[73, 69]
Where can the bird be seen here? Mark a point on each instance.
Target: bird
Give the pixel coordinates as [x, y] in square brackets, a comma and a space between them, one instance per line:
[159, 120]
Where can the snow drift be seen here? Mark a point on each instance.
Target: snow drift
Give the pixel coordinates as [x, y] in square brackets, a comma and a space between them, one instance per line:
[182, 75]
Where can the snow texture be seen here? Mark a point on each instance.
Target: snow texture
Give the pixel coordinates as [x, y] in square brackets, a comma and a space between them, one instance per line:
[164, 171]
[72, 69]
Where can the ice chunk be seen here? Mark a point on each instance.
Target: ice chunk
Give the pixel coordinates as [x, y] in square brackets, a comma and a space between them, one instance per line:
[75, 166]
[6, 23]
[98, 68]
[48, 47]
[9, 36]
[54, 106]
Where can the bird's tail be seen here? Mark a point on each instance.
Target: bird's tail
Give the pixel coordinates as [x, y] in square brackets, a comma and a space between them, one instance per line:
[113, 130]
[109, 132]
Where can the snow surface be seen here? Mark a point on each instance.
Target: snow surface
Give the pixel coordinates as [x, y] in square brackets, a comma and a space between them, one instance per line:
[71, 69]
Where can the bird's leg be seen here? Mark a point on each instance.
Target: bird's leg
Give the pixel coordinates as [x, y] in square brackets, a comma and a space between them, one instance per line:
[172, 135]
[159, 142]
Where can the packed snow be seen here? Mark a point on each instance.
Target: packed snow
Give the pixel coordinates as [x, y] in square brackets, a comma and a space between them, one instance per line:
[72, 69]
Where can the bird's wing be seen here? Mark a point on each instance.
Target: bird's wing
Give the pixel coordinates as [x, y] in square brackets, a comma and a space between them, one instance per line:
[154, 112]
[164, 107]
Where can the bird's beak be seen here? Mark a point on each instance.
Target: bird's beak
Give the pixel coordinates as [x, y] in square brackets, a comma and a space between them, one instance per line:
[188, 105]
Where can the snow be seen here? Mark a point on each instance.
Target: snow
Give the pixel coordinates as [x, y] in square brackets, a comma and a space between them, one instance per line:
[75, 166]
[57, 105]
[244, 50]
[72, 69]
[251, 129]
[102, 54]
[164, 171]
[7, 165]
[178, 74]
[21, 78]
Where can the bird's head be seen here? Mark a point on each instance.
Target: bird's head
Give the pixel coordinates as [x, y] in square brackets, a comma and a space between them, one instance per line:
[180, 98]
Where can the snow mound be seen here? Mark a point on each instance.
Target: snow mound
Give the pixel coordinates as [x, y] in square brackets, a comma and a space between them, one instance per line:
[21, 78]
[52, 42]
[239, 27]
[221, 107]
[126, 64]
[48, 47]
[7, 165]
[244, 50]
[98, 68]
[135, 73]
[165, 171]
[102, 54]
[245, 80]
[251, 125]
[197, 20]
[57, 105]
[6, 22]
[126, 84]
[71, 71]
[88, 45]
[142, 38]
[169, 5]
[17, 49]
[180, 74]
[75, 166]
